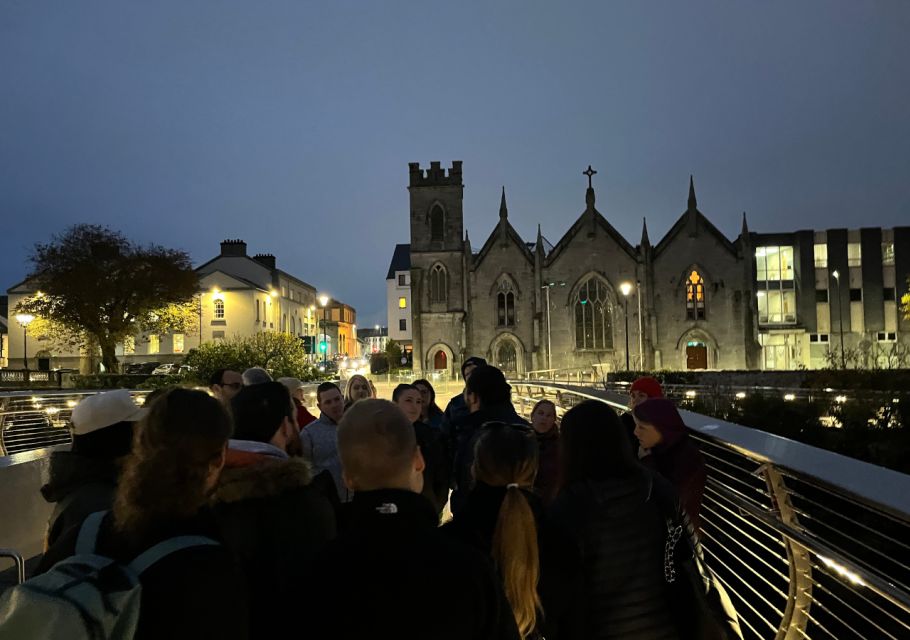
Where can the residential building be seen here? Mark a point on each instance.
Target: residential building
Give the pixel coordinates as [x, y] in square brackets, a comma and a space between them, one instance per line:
[398, 297]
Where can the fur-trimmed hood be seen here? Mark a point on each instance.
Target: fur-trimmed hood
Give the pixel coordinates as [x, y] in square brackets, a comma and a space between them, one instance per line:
[262, 480]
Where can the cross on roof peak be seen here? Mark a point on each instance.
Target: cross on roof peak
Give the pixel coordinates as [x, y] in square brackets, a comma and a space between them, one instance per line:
[590, 173]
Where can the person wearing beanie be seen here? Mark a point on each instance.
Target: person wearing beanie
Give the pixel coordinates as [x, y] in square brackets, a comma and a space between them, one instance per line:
[83, 479]
[457, 410]
[640, 390]
[295, 387]
[272, 517]
[660, 429]
[488, 398]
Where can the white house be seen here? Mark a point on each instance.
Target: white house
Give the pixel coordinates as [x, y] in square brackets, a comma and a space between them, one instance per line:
[398, 297]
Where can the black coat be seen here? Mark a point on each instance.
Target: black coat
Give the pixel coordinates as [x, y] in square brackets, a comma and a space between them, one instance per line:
[438, 464]
[79, 485]
[274, 522]
[194, 593]
[464, 439]
[560, 570]
[619, 528]
[392, 573]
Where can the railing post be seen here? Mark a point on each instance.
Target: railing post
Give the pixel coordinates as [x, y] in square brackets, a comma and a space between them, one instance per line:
[799, 598]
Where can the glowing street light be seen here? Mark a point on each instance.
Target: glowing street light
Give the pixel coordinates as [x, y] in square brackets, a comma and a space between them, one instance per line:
[324, 345]
[24, 319]
[840, 328]
[626, 289]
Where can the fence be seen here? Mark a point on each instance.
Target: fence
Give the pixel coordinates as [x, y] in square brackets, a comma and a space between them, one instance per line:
[809, 543]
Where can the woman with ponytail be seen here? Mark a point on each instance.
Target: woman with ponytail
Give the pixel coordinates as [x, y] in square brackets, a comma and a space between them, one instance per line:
[503, 517]
[177, 456]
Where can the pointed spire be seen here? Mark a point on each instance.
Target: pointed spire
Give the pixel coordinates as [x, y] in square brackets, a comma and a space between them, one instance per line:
[745, 229]
[645, 241]
[693, 203]
[538, 247]
[503, 209]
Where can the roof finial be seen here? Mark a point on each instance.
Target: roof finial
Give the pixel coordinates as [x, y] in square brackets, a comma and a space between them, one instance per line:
[645, 241]
[589, 194]
[745, 230]
[503, 209]
[693, 203]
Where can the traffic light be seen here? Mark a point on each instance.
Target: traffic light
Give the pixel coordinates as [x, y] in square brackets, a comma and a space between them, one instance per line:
[307, 344]
[323, 346]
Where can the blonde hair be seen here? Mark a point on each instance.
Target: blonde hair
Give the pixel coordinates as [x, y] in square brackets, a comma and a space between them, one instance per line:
[350, 383]
[506, 456]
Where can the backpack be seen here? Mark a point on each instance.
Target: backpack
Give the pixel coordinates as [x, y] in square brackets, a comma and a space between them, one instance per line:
[86, 596]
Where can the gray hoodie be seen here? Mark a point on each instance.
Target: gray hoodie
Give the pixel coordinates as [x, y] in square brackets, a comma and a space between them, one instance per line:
[320, 447]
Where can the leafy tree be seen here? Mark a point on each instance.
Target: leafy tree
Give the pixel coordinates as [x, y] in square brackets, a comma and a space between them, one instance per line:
[98, 288]
[905, 301]
[393, 353]
[279, 353]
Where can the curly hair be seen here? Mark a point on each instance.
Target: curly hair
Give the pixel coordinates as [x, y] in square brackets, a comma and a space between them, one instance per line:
[174, 448]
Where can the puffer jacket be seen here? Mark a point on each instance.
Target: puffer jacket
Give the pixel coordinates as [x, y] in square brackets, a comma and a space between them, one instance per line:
[619, 529]
[275, 523]
[79, 486]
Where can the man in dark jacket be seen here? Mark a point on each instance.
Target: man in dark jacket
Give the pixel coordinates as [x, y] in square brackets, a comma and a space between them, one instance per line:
[272, 518]
[457, 410]
[83, 479]
[392, 573]
[488, 398]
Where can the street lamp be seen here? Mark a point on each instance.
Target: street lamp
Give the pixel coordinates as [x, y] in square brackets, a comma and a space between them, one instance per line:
[840, 328]
[641, 333]
[24, 319]
[626, 289]
[324, 301]
[547, 288]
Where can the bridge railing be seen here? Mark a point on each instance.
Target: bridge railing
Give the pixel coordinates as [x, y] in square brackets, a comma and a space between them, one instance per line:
[808, 543]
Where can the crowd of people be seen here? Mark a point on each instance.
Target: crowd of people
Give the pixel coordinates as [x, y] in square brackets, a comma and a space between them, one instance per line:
[262, 517]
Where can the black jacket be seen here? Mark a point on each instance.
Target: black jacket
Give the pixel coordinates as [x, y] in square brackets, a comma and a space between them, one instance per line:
[194, 593]
[393, 574]
[464, 439]
[274, 522]
[438, 464]
[619, 528]
[560, 570]
[79, 486]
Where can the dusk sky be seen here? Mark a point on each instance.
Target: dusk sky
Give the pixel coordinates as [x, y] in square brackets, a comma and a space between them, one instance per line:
[290, 124]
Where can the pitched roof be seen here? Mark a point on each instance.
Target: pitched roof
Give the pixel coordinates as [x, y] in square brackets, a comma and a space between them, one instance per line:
[401, 260]
[702, 222]
[600, 221]
[512, 235]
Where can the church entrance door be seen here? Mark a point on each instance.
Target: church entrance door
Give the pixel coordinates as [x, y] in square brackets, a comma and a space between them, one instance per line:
[440, 361]
[696, 355]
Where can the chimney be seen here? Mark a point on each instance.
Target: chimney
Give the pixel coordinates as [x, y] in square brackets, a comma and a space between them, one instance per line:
[233, 248]
[265, 259]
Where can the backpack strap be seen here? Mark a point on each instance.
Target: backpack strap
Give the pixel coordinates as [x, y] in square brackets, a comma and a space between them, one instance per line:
[88, 533]
[163, 549]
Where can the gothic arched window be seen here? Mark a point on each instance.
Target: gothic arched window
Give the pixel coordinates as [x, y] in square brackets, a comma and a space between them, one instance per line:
[439, 285]
[505, 305]
[695, 297]
[593, 316]
[219, 309]
[437, 224]
[506, 357]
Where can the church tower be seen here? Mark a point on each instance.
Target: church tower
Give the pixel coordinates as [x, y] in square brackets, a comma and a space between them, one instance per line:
[438, 267]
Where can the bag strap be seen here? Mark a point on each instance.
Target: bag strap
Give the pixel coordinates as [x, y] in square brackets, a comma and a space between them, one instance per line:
[163, 549]
[88, 533]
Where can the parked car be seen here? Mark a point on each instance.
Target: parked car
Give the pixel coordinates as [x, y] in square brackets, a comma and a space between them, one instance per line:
[166, 369]
[138, 368]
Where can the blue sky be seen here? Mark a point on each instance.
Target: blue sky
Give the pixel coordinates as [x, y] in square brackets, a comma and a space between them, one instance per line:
[290, 124]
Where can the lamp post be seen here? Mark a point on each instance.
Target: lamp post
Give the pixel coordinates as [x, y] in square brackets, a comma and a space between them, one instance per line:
[626, 288]
[324, 301]
[641, 333]
[547, 288]
[24, 319]
[840, 327]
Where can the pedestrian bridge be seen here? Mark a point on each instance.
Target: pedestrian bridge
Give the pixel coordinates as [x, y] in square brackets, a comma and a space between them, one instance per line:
[808, 543]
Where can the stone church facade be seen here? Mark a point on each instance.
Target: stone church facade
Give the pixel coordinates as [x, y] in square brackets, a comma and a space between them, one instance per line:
[686, 302]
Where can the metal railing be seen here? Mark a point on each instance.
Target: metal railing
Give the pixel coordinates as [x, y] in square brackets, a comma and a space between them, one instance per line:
[808, 543]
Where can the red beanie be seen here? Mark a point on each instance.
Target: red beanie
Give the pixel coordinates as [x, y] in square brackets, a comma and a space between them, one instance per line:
[649, 386]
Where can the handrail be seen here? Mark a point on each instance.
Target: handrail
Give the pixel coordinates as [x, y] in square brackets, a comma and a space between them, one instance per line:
[808, 543]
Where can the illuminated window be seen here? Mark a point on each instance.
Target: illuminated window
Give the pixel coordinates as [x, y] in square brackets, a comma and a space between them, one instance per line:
[854, 254]
[777, 307]
[887, 254]
[178, 343]
[774, 263]
[821, 255]
[695, 297]
[593, 316]
[402, 303]
[219, 309]
[154, 344]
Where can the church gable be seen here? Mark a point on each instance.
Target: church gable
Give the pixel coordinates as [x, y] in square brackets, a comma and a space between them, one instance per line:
[694, 225]
[507, 240]
[587, 225]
